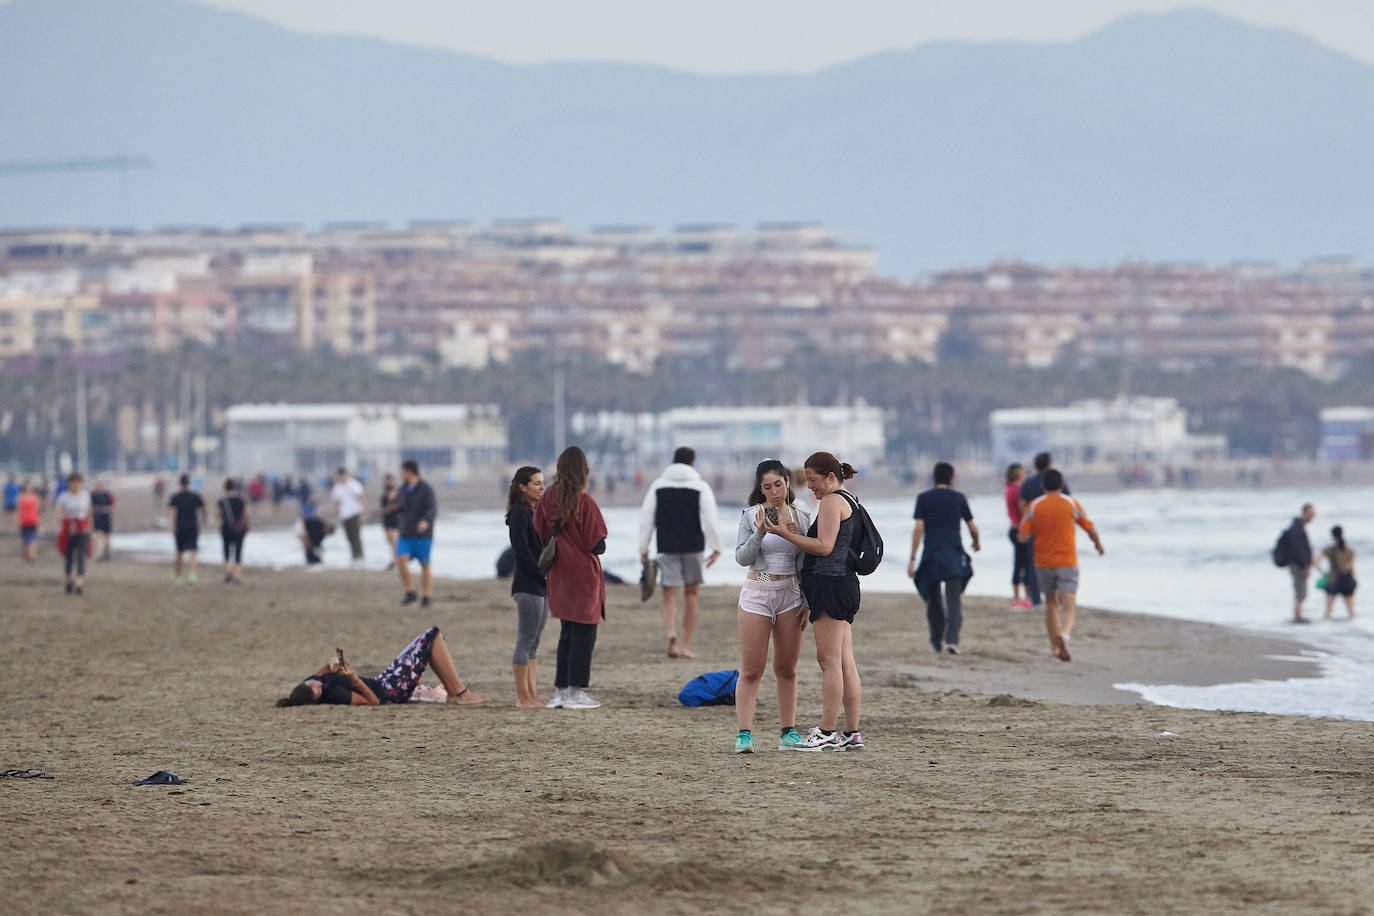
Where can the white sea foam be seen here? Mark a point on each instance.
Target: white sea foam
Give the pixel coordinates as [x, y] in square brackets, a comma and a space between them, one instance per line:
[1196, 555]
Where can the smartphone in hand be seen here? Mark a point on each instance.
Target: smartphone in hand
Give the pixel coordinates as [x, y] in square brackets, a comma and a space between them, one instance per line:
[771, 512]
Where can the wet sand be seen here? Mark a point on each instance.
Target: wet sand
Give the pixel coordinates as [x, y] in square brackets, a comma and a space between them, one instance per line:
[1000, 781]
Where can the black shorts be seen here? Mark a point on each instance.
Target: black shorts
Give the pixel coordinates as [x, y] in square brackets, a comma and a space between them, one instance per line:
[836, 597]
[104, 526]
[187, 540]
[1344, 584]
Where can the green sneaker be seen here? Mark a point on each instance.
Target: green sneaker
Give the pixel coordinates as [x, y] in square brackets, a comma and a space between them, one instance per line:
[744, 743]
[174, 577]
[789, 740]
[193, 578]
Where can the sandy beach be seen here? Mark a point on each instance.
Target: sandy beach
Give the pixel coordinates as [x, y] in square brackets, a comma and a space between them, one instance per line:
[1000, 781]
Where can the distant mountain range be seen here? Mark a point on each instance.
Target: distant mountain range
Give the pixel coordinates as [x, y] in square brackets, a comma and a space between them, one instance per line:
[1185, 135]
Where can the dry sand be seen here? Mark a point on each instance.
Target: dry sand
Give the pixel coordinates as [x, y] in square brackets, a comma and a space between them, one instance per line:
[972, 797]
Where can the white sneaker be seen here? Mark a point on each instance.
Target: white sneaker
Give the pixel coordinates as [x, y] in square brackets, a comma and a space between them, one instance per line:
[560, 697]
[818, 740]
[577, 699]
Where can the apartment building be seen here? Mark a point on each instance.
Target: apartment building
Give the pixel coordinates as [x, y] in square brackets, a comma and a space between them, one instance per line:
[468, 296]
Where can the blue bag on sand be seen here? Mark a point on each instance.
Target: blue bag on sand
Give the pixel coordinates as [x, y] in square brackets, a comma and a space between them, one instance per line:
[714, 688]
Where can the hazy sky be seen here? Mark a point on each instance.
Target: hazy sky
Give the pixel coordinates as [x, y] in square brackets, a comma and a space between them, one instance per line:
[751, 35]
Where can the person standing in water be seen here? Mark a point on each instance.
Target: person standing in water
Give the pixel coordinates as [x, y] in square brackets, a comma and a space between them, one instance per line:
[528, 586]
[770, 603]
[1340, 573]
[830, 587]
[1299, 554]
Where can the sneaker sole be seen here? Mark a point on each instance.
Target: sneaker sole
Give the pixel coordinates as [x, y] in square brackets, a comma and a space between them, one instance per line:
[744, 750]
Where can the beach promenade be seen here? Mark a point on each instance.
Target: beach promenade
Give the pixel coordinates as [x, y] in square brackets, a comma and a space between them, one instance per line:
[1000, 781]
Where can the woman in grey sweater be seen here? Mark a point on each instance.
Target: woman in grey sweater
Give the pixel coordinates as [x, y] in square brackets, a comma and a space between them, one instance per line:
[770, 603]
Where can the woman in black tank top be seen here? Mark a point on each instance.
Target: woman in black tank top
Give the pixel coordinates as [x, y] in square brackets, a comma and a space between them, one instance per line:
[831, 589]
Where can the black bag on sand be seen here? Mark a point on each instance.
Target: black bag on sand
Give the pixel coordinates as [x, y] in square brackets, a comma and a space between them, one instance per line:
[550, 551]
[866, 550]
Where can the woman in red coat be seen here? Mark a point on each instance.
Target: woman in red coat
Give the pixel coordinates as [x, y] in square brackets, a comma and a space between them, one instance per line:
[576, 587]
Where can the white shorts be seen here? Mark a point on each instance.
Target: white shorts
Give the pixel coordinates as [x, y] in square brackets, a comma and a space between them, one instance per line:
[770, 598]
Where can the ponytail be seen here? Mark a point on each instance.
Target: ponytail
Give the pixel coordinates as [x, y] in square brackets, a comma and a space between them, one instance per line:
[824, 464]
[1338, 535]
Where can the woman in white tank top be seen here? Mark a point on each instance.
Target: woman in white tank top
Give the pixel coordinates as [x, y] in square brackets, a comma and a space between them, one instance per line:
[770, 603]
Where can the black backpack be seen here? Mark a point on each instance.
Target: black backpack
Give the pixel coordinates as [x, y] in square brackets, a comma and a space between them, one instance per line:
[866, 549]
[1282, 552]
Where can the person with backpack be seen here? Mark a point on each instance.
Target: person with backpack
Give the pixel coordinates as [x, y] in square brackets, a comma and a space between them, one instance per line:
[1294, 552]
[576, 586]
[233, 527]
[770, 603]
[681, 507]
[939, 511]
[835, 555]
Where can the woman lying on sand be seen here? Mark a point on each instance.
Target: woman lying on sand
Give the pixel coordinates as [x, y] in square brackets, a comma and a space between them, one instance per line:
[336, 681]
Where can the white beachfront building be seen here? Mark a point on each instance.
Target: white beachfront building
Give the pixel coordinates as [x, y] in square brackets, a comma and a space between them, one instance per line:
[729, 438]
[445, 439]
[1116, 432]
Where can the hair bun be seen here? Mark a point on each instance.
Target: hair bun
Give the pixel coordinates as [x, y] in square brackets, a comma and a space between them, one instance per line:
[846, 470]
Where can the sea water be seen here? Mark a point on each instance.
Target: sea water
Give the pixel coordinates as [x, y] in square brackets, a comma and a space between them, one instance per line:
[1199, 555]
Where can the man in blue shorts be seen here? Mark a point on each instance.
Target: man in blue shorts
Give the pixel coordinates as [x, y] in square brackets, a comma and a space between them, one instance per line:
[418, 509]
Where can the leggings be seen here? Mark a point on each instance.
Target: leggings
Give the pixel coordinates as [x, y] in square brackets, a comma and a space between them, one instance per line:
[575, 644]
[353, 530]
[945, 624]
[1021, 559]
[401, 677]
[76, 553]
[531, 612]
[233, 545]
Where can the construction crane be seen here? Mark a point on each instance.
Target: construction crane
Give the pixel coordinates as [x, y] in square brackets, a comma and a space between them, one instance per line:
[122, 163]
[119, 163]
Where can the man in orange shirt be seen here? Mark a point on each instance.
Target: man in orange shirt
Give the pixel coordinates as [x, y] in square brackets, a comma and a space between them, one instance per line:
[1049, 520]
[29, 519]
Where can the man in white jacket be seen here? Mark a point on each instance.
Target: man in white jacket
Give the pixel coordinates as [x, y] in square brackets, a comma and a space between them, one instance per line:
[682, 508]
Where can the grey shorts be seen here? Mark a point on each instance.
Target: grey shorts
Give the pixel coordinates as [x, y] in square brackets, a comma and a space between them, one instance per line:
[1057, 579]
[1299, 574]
[678, 569]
